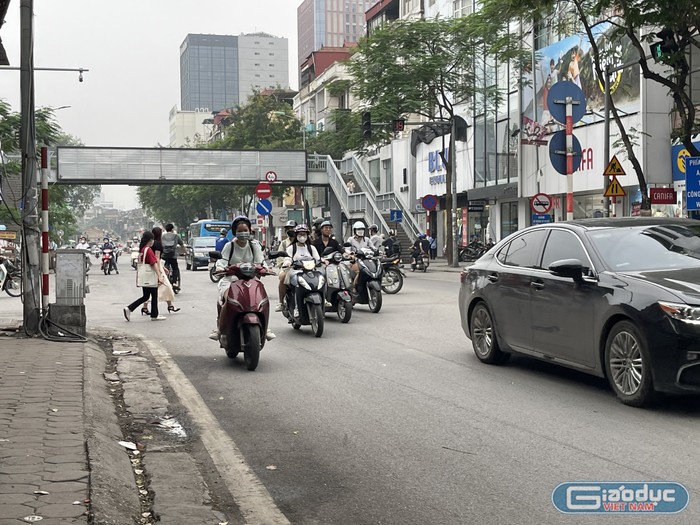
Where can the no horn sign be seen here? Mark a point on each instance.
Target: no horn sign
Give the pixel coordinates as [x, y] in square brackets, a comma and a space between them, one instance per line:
[541, 203]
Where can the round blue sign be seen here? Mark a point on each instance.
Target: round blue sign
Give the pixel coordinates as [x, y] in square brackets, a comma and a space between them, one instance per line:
[429, 202]
[557, 151]
[263, 207]
[556, 101]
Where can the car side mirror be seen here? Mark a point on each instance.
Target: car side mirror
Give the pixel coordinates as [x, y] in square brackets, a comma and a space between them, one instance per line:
[571, 268]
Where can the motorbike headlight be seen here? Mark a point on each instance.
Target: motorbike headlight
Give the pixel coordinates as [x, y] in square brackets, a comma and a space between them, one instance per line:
[247, 269]
[681, 312]
[309, 265]
[303, 283]
[337, 257]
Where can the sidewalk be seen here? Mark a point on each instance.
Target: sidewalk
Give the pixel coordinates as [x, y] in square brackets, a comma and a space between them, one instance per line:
[441, 264]
[86, 436]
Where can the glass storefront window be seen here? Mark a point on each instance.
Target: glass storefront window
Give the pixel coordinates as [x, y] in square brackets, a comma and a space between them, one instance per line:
[509, 218]
[590, 206]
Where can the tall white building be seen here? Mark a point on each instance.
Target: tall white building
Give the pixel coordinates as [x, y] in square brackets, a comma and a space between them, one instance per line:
[187, 128]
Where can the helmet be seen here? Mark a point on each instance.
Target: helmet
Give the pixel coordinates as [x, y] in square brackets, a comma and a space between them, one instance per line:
[302, 228]
[359, 225]
[422, 235]
[318, 222]
[326, 223]
[238, 219]
[374, 227]
[290, 224]
[392, 233]
[223, 231]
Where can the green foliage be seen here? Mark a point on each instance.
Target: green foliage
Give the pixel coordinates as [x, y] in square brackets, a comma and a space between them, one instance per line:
[343, 135]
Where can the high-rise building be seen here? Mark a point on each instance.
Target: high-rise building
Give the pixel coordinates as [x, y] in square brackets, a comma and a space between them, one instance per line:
[329, 23]
[221, 71]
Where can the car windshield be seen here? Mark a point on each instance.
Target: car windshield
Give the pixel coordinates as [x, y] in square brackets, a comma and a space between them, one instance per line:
[205, 242]
[644, 248]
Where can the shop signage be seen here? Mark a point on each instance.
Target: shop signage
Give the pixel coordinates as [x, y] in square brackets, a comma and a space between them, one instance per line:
[465, 224]
[692, 182]
[476, 207]
[8, 235]
[663, 196]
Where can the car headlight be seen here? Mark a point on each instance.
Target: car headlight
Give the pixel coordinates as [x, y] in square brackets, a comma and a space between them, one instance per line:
[303, 282]
[681, 312]
[200, 254]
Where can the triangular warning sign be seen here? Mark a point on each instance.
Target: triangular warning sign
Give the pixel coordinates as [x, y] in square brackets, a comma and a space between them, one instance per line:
[614, 168]
[615, 189]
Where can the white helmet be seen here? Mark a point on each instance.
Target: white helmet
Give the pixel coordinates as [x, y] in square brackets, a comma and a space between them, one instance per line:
[359, 225]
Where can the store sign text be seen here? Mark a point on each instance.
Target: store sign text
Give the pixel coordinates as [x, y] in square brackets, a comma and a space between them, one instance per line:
[435, 164]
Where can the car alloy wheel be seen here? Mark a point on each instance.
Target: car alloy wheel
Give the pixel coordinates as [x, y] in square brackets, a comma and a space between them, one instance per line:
[627, 365]
[483, 334]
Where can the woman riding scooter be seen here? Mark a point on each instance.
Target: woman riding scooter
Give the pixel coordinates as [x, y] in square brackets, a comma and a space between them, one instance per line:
[241, 249]
[301, 248]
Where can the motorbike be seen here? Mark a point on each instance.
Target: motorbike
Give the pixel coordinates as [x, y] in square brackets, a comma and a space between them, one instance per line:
[245, 313]
[369, 284]
[421, 264]
[303, 303]
[108, 261]
[10, 278]
[134, 256]
[214, 275]
[472, 251]
[392, 278]
[338, 285]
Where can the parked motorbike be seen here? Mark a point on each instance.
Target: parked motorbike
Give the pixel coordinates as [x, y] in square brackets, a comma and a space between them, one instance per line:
[369, 284]
[108, 261]
[392, 278]
[473, 250]
[303, 303]
[245, 313]
[10, 278]
[421, 264]
[214, 275]
[338, 285]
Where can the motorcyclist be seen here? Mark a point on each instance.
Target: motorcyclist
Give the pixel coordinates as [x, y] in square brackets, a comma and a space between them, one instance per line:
[358, 241]
[221, 241]
[391, 245]
[375, 239]
[286, 242]
[108, 245]
[325, 238]
[316, 233]
[172, 245]
[420, 246]
[82, 244]
[301, 248]
[242, 248]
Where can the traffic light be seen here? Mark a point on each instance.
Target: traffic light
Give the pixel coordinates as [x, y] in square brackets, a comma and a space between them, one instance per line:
[367, 125]
[665, 49]
[399, 125]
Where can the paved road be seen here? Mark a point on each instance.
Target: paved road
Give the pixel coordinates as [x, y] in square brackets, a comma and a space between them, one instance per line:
[391, 418]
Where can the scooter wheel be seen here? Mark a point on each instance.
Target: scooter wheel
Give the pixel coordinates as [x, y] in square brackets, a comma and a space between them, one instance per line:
[344, 311]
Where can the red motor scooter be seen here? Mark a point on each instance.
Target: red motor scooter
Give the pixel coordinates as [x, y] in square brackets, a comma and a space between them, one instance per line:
[245, 313]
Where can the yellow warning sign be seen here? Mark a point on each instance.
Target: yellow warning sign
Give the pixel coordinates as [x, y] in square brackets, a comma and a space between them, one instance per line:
[614, 168]
[615, 189]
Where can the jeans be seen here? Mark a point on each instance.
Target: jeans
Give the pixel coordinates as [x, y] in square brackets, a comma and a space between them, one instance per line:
[175, 270]
[149, 294]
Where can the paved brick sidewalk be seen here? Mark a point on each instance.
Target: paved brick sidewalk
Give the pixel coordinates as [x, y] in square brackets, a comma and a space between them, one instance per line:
[42, 436]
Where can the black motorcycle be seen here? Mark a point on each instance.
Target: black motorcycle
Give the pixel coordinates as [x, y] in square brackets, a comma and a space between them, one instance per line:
[369, 283]
[304, 301]
[421, 263]
[472, 251]
[338, 285]
[392, 278]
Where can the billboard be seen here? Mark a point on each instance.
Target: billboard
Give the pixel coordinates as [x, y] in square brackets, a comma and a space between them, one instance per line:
[571, 59]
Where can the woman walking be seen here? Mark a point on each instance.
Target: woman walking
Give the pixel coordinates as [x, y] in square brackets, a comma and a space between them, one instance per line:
[165, 290]
[147, 256]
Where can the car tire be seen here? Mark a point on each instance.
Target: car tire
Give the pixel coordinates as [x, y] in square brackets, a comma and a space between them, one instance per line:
[483, 335]
[628, 366]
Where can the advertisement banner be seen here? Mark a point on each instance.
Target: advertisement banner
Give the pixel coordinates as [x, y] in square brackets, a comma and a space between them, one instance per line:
[571, 59]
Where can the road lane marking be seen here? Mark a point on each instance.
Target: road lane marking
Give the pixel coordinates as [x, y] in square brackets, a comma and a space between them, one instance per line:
[254, 501]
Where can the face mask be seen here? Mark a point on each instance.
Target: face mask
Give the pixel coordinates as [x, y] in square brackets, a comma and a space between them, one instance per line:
[243, 236]
[301, 238]
[290, 234]
[360, 233]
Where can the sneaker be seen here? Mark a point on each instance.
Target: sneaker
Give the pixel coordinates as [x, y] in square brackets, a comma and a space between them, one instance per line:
[279, 307]
[159, 318]
[296, 312]
[127, 313]
[214, 335]
[270, 335]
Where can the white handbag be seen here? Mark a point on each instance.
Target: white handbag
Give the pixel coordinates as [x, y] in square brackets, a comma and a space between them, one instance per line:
[146, 276]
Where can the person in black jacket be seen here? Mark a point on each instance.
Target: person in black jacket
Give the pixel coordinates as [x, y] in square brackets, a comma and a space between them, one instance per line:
[326, 239]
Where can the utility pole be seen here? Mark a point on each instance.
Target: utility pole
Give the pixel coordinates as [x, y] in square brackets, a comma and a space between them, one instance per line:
[453, 191]
[606, 136]
[30, 219]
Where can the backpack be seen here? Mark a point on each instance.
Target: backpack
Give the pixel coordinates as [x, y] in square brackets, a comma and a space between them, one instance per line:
[169, 241]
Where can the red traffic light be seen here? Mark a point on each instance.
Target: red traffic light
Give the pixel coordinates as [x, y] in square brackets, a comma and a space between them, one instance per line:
[399, 124]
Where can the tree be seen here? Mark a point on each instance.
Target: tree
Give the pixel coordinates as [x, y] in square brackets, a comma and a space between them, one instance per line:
[419, 67]
[629, 19]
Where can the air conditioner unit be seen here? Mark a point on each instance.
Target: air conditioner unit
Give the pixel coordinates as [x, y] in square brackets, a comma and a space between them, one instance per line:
[403, 188]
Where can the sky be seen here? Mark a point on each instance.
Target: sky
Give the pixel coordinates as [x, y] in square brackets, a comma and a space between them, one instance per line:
[132, 49]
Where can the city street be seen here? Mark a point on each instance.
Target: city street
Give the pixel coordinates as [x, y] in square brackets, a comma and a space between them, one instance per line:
[392, 419]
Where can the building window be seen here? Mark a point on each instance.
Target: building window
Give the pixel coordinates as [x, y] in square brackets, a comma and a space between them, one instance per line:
[509, 218]
[462, 8]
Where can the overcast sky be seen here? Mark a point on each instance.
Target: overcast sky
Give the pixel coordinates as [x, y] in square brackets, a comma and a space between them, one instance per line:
[132, 49]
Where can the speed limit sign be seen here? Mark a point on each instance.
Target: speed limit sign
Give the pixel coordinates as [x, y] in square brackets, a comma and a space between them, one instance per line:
[271, 176]
[541, 203]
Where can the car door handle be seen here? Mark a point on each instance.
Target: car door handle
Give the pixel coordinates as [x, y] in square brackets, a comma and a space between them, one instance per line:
[537, 285]
[493, 277]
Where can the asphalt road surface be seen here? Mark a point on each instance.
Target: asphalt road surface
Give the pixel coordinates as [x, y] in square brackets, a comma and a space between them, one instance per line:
[392, 419]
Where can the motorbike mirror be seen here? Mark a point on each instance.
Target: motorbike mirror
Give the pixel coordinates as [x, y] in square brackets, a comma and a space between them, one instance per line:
[328, 250]
[274, 254]
[216, 255]
[347, 244]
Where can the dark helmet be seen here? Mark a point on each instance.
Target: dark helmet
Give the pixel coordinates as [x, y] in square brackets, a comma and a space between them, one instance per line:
[374, 227]
[422, 235]
[238, 219]
[392, 233]
[223, 231]
[326, 223]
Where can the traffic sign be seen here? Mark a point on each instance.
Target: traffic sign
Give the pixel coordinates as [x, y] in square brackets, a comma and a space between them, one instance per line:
[263, 190]
[541, 203]
[271, 176]
[614, 168]
[556, 101]
[557, 151]
[692, 182]
[541, 218]
[615, 189]
[429, 202]
[395, 215]
[263, 207]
